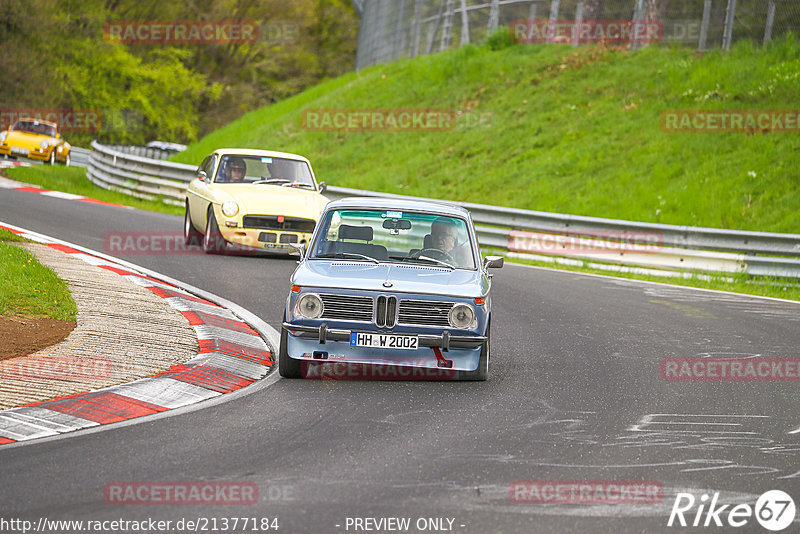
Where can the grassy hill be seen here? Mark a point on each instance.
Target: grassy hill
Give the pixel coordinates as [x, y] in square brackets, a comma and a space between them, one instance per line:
[554, 128]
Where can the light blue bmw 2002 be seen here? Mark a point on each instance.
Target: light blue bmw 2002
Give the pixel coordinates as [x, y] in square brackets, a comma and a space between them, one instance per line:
[393, 284]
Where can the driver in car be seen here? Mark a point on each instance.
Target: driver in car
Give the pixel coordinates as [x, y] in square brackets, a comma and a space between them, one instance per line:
[235, 170]
[443, 235]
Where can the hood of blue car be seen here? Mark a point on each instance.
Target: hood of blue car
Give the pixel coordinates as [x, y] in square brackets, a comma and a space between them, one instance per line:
[404, 278]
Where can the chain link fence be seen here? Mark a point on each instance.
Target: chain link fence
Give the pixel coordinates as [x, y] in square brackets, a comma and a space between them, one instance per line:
[393, 29]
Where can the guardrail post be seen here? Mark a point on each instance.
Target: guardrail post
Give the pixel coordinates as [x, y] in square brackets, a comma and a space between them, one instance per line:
[704, 25]
[554, 5]
[727, 36]
[638, 16]
[415, 30]
[494, 17]
[576, 29]
[464, 23]
[770, 21]
[447, 28]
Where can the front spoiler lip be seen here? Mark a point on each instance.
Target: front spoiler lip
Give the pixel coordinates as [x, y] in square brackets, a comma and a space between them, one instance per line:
[444, 341]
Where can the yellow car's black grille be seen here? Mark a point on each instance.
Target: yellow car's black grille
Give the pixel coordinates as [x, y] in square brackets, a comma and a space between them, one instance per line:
[274, 222]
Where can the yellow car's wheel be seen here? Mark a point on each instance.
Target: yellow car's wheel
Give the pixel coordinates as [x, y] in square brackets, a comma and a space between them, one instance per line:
[213, 242]
[190, 235]
[52, 159]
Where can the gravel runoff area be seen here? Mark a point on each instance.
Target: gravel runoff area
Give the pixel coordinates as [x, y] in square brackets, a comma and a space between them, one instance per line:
[124, 332]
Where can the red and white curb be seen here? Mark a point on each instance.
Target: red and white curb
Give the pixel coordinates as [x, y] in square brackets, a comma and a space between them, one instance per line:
[57, 194]
[6, 163]
[232, 355]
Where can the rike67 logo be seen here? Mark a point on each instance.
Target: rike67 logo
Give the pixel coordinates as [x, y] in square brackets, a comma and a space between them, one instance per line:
[774, 510]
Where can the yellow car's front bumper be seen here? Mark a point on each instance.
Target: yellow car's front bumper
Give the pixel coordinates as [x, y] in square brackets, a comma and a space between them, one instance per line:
[38, 153]
[267, 239]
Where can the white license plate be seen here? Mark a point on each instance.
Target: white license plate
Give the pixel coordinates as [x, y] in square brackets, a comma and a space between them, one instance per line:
[383, 341]
[20, 151]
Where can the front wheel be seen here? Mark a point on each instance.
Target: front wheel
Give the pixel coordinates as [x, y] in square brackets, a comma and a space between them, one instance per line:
[213, 242]
[67, 160]
[287, 367]
[190, 235]
[482, 372]
[52, 160]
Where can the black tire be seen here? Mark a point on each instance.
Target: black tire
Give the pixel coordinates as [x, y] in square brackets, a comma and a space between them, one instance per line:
[482, 372]
[213, 242]
[52, 160]
[190, 235]
[67, 160]
[287, 367]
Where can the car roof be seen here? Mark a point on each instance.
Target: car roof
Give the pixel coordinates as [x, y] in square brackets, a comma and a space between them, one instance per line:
[40, 121]
[254, 152]
[401, 204]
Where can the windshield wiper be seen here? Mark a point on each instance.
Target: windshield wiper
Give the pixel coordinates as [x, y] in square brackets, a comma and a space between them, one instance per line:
[351, 255]
[428, 258]
[272, 181]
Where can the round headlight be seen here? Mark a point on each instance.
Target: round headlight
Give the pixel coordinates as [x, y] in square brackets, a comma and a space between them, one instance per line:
[309, 306]
[230, 208]
[3, 136]
[44, 144]
[461, 316]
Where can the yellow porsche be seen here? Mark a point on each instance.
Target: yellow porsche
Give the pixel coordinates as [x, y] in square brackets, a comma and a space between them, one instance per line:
[35, 139]
[252, 198]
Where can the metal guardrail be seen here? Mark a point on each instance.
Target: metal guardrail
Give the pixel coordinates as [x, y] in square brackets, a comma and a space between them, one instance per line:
[646, 244]
[79, 157]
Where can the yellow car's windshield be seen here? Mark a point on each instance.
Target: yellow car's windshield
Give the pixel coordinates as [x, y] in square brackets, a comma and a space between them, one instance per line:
[264, 170]
[35, 127]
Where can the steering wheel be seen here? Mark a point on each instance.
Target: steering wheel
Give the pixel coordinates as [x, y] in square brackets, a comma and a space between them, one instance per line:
[442, 255]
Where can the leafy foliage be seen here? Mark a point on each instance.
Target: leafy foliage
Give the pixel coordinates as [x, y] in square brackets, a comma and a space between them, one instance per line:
[56, 56]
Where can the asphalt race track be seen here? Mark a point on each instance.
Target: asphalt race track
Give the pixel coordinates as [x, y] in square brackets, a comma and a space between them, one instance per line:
[575, 394]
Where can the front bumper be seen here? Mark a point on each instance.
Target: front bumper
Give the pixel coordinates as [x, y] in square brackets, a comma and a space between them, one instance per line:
[444, 341]
[250, 237]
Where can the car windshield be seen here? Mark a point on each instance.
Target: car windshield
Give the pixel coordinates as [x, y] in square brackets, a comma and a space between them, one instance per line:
[264, 170]
[34, 127]
[394, 236]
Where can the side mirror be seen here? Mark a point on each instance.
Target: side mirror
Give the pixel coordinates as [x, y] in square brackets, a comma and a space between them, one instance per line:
[298, 248]
[322, 187]
[201, 175]
[493, 262]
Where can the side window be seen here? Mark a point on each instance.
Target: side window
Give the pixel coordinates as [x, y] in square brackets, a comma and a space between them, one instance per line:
[208, 165]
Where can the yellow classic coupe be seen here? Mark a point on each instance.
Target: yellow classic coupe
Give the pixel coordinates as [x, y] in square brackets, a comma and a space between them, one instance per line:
[35, 139]
[252, 198]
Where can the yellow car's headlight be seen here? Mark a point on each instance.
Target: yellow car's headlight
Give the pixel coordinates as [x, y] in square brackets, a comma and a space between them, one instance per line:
[3, 136]
[44, 144]
[230, 208]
